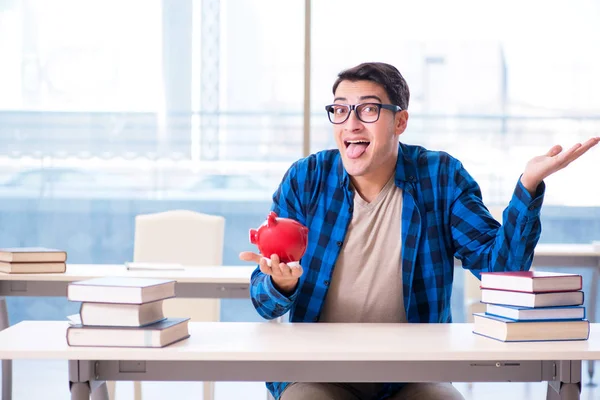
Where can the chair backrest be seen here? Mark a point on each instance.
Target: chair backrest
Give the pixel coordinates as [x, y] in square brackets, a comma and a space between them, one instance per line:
[179, 236]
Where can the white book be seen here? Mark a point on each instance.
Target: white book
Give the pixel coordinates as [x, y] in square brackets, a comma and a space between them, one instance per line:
[107, 314]
[507, 330]
[531, 281]
[32, 267]
[159, 334]
[121, 290]
[519, 313]
[524, 299]
[32, 254]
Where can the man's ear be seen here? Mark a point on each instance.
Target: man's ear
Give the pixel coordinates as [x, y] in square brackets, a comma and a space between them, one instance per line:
[400, 122]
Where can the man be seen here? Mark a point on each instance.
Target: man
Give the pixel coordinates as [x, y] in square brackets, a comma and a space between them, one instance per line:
[385, 222]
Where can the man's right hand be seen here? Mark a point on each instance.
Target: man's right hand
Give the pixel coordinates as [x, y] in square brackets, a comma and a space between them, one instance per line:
[284, 278]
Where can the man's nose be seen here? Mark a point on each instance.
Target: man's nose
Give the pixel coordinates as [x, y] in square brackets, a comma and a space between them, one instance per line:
[353, 123]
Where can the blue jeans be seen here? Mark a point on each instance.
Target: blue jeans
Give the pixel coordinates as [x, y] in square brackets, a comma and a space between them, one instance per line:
[368, 391]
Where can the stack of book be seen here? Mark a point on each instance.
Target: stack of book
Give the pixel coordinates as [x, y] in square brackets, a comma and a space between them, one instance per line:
[124, 312]
[32, 260]
[532, 306]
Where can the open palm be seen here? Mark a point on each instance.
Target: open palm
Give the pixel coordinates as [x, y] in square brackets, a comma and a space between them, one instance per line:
[540, 167]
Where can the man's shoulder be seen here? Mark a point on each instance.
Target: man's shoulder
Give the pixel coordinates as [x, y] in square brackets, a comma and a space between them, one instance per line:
[308, 177]
[317, 163]
[426, 158]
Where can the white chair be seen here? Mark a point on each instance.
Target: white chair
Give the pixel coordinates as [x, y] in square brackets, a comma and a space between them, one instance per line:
[188, 238]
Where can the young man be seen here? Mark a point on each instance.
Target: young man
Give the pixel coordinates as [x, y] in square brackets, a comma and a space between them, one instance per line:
[386, 221]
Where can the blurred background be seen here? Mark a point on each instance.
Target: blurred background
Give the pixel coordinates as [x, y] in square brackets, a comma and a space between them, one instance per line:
[114, 108]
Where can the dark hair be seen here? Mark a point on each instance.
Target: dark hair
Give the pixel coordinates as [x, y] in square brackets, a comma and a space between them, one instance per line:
[383, 74]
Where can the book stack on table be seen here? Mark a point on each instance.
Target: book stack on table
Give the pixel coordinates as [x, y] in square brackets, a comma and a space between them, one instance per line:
[532, 306]
[124, 312]
[32, 260]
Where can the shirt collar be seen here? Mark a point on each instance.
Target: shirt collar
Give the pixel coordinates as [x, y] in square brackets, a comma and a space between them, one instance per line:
[405, 168]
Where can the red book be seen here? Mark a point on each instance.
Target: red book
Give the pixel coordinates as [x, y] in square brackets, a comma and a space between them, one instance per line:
[531, 281]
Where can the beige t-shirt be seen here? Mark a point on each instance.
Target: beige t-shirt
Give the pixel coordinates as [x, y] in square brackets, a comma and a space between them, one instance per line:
[366, 285]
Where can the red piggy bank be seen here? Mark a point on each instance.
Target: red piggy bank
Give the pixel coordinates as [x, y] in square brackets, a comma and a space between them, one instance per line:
[282, 236]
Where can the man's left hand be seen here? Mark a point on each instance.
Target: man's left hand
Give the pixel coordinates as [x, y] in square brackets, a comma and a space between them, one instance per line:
[541, 167]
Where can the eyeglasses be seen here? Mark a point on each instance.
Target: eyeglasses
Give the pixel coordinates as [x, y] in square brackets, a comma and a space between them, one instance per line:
[366, 112]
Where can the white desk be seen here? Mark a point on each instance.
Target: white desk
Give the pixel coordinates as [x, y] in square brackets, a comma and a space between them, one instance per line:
[563, 255]
[566, 255]
[193, 282]
[233, 282]
[236, 351]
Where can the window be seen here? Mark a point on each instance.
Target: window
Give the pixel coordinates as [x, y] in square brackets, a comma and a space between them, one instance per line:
[485, 85]
[113, 108]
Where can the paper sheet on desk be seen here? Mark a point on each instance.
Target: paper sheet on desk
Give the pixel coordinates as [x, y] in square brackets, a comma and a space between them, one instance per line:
[147, 266]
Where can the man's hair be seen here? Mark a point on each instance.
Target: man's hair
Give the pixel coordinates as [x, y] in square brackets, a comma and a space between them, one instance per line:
[383, 74]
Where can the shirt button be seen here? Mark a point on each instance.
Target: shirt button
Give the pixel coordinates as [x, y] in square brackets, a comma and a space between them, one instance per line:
[326, 283]
[411, 178]
[350, 209]
[531, 208]
[315, 319]
[339, 244]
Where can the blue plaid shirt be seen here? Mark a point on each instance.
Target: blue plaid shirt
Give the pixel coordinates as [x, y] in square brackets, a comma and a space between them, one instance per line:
[443, 217]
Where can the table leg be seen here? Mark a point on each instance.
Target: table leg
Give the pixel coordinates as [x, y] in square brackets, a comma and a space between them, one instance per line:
[592, 315]
[6, 364]
[570, 391]
[566, 383]
[567, 391]
[137, 390]
[82, 383]
[80, 391]
[111, 388]
[100, 391]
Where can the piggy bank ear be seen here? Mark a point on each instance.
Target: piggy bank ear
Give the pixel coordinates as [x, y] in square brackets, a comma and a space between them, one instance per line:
[304, 231]
[271, 219]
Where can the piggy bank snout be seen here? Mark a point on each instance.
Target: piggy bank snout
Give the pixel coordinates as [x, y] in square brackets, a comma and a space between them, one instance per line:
[254, 236]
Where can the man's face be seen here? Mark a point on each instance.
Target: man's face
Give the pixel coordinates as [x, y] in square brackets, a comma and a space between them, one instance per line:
[367, 148]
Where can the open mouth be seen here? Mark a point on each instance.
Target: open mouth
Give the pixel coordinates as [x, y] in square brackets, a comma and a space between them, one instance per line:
[356, 148]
